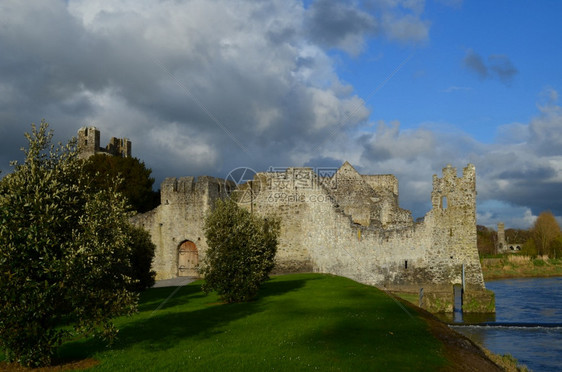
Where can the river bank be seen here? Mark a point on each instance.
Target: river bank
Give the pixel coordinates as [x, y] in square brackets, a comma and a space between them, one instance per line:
[528, 322]
[462, 353]
[517, 266]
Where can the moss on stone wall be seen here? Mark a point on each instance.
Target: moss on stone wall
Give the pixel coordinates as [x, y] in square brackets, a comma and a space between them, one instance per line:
[479, 302]
[442, 301]
[438, 302]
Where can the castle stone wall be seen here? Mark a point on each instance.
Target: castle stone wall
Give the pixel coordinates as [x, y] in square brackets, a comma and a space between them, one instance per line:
[382, 182]
[349, 225]
[180, 216]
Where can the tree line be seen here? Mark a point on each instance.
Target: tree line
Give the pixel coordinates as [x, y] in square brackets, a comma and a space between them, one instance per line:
[544, 238]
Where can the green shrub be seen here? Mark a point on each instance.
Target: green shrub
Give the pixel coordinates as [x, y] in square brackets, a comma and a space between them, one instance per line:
[140, 256]
[529, 248]
[64, 253]
[539, 262]
[241, 252]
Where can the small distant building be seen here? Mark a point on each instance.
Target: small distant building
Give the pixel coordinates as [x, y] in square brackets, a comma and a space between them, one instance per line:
[504, 247]
[89, 144]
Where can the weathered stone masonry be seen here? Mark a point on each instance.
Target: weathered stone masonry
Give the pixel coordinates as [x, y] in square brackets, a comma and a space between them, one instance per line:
[180, 218]
[349, 225]
[89, 144]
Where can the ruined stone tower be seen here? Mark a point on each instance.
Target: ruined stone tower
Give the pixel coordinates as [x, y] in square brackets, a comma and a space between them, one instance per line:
[505, 246]
[89, 144]
[501, 244]
[453, 226]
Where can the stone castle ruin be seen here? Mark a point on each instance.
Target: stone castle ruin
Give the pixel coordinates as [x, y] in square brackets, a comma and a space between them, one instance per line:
[89, 144]
[347, 224]
[342, 223]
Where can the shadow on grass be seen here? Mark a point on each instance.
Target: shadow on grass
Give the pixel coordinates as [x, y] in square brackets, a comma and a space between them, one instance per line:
[281, 285]
[169, 297]
[381, 348]
[378, 334]
[177, 319]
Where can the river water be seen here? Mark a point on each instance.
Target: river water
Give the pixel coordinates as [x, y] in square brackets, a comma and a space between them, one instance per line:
[528, 322]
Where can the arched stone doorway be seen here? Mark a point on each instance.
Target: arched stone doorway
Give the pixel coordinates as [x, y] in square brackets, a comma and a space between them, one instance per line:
[188, 258]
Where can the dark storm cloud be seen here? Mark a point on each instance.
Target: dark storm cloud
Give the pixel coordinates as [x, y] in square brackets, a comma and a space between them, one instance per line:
[324, 162]
[474, 62]
[337, 24]
[536, 194]
[345, 25]
[498, 66]
[517, 175]
[545, 196]
[529, 173]
[502, 68]
[198, 87]
[204, 87]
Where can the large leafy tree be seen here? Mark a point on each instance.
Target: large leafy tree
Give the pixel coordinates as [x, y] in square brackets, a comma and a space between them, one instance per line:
[241, 252]
[516, 235]
[545, 232]
[64, 253]
[137, 182]
[485, 240]
[140, 256]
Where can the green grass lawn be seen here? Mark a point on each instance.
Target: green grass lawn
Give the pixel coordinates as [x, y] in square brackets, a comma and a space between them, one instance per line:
[299, 322]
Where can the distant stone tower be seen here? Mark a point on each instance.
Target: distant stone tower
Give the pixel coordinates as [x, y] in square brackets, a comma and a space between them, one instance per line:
[501, 245]
[89, 144]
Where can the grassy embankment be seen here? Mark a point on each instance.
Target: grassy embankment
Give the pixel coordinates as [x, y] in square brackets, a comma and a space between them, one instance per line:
[519, 266]
[305, 321]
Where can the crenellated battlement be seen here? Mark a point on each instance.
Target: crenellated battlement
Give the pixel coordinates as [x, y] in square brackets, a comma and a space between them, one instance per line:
[189, 190]
[177, 190]
[89, 144]
[451, 191]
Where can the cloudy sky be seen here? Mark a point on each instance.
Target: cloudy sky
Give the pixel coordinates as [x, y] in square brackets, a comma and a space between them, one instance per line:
[393, 86]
